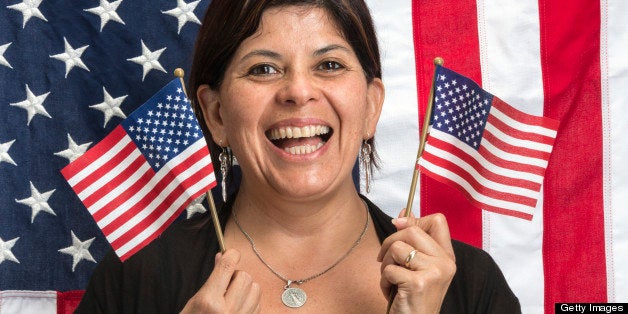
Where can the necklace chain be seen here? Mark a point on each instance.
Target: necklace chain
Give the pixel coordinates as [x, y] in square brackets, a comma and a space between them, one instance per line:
[300, 281]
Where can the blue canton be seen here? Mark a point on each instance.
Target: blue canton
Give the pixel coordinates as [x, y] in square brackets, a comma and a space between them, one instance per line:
[460, 107]
[163, 127]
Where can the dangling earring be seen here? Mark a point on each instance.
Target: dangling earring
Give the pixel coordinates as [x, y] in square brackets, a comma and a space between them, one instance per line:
[224, 170]
[365, 157]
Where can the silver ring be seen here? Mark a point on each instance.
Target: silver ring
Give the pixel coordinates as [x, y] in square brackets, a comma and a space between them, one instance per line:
[409, 258]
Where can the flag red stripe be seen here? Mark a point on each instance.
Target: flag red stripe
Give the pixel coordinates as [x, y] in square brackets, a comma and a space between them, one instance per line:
[492, 158]
[163, 207]
[92, 154]
[513, 181]
[142, 244]
[113, 161]
[153, 193]
[522, 151]
[522, 135]
[480, 188]
[123, 197]
[475, 203]
[103, 190]
[457, 43]
[573, 239]
[523, 117]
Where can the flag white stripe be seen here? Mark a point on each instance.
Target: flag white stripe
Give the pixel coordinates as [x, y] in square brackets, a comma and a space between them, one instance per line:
[485, 163]
[522, 126]
[128, 246]
[132, 179]
[120, 210]
[614, 66]
[518, 142]
[25, 301]
[93, 166]
[481, 179]
[511, 68]
[482, 198]
[512, 157]
[200, 164]
[112, 173]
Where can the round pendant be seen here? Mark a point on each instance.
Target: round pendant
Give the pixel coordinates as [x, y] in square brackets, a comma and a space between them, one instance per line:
[293, 297]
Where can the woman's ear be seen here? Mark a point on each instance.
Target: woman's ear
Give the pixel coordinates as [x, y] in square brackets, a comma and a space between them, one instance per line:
[374, 101]
[209, 102]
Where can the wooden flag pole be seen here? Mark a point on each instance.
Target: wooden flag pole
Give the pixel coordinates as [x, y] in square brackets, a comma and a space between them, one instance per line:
[423, 140]
[415, 174]
[210, 199]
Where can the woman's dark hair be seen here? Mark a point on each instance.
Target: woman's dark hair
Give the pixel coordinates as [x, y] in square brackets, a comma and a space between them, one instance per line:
[227, 23]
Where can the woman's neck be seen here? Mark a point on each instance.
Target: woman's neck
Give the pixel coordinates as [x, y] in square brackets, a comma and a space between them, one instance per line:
[338, 213]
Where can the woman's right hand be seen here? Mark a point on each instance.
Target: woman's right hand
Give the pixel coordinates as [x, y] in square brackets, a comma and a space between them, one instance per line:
[227, 290]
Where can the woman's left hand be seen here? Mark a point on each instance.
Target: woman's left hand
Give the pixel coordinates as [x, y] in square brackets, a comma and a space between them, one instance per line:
[423, 277]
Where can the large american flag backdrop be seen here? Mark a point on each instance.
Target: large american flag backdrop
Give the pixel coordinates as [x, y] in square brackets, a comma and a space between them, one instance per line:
[559, 59]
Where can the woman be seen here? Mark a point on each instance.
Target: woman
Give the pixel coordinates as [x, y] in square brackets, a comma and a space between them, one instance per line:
[294, 90]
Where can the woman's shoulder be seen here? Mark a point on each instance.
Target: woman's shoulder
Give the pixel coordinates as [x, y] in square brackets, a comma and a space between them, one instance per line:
[169, 270]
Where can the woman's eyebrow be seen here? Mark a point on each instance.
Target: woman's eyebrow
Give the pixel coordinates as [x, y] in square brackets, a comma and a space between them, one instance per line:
[326, 49]
[262, 53]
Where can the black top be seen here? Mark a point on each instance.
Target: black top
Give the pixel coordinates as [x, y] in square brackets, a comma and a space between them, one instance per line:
[163, 276]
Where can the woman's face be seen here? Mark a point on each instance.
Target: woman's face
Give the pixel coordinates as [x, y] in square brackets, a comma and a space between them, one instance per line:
[294, 105]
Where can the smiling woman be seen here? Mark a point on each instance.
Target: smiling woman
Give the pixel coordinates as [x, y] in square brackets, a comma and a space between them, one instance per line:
[294, 90]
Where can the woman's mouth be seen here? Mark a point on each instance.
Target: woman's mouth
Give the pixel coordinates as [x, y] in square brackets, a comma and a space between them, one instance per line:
[299, 140]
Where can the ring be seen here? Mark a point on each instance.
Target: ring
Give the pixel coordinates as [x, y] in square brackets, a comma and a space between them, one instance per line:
[409, 258]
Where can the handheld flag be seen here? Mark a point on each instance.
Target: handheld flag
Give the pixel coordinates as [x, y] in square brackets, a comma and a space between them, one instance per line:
[140, 177]
[493, 153]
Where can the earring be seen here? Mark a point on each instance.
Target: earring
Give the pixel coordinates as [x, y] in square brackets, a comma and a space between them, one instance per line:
[224, 171]
[365, 157]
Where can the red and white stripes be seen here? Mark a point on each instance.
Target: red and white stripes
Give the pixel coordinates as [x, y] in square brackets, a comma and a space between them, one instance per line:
[560, 59]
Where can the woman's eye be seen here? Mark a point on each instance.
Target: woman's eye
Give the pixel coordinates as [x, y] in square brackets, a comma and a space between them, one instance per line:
[330, 66]
[263, 69]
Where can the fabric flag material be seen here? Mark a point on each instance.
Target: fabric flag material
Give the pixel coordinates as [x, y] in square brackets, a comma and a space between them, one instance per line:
[564, 60]
[70, 73]
[140, 177]
[493, 153]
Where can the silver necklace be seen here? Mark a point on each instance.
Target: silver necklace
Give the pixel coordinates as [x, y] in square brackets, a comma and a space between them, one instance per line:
[292, 296]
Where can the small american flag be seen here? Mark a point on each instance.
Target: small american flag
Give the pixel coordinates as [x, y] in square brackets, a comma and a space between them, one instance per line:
[493, 153]
[140, 177]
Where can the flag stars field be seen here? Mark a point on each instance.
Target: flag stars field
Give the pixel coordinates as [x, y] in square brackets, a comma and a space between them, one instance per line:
[110, 106]
[107, 12]
[79, 250]
[33, 104]
[4, 153]
[184, 12]
[38, 202]
[85, 66]
[71, 57]
[5, 250]
[29, 8]
[74, 150]
[149, 60]
[3, 60]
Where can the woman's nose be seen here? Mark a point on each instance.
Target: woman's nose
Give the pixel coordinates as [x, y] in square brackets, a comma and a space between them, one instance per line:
[299, 88]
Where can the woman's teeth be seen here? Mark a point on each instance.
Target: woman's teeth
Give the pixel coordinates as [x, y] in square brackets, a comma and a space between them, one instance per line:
[303, 149]
[298, 132]
[299, 140]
